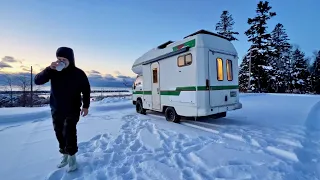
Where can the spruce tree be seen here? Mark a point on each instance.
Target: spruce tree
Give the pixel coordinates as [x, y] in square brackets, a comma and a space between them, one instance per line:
[244, 74]
[280, 59]
[315, 74]
[300, 73]
[225, 26]
[260, 48]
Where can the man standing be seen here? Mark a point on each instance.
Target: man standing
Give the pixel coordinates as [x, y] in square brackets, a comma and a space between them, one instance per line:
[65, 102]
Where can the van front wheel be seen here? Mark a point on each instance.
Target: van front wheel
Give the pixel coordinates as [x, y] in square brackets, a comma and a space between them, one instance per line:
[139, 107]
[171, 115]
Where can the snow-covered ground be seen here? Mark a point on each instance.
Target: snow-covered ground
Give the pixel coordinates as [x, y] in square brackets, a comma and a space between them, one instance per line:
[272, 137]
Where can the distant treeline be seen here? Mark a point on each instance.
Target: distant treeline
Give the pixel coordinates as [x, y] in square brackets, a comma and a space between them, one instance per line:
[47, 92]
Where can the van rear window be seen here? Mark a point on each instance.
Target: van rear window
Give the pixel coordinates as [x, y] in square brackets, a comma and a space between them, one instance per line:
[219, 69]
[229, 70]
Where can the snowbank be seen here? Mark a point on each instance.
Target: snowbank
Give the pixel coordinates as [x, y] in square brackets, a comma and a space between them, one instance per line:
[313, 120]
[274, 109]
[113, 100]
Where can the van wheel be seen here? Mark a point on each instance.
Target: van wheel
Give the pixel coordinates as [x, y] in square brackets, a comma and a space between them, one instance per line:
[223, 114]
[171, 115]
[139, 107]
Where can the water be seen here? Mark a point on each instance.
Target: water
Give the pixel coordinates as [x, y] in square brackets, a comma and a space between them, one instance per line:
[47, 88]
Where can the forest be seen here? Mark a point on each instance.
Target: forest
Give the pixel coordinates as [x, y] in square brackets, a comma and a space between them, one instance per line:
[272, 64]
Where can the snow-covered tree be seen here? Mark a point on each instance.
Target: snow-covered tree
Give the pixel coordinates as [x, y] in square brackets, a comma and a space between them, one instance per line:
[280, 59]
[300, 74]
[244, 74]
[315, 73]
[225, 26]
[260, 49]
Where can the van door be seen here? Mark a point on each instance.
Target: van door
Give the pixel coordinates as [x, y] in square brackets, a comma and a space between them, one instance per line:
[223, 80]
[155, 86]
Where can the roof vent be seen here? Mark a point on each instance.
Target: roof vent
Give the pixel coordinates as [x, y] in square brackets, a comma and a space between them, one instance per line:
[202, 31]
[164, 45]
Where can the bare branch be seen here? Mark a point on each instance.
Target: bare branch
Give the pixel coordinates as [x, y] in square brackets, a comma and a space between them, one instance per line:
[9, 83]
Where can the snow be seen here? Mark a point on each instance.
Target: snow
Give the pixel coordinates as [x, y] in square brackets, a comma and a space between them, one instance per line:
[266, 67]
[274, 136]
[300, 81]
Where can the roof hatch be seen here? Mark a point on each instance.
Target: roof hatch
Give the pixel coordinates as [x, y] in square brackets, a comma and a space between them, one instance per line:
[164, 45]
[202, 31]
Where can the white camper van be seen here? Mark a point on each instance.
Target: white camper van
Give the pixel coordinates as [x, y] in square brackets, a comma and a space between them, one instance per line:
[193, 77]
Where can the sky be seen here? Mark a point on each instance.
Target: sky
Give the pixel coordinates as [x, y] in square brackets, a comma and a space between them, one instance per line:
[107, 35]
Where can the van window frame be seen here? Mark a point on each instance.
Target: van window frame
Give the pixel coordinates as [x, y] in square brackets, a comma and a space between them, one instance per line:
[184, 60]
[138, 82]
[217, 68]
[155, 75]
[230, 70]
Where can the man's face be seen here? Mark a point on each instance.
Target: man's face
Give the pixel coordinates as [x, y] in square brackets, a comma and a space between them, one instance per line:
[65, 60]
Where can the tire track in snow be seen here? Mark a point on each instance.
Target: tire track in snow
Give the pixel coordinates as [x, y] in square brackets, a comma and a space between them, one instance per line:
[268, 147]
[278, 147]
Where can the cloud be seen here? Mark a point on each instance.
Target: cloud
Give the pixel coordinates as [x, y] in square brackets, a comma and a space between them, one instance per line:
[117, 72]
[98, 79]
[4, 65]
[26, 69]
[123, 77]
[10, 59]
[6, 62]
[93, 72]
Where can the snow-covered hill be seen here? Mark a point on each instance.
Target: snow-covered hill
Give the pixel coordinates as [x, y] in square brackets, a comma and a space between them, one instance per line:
[272, 137]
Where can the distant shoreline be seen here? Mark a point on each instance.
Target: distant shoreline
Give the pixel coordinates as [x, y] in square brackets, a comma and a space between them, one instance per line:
[47, 88]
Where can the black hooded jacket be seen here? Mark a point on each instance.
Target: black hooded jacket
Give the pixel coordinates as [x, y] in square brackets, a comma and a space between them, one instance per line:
[66, 85]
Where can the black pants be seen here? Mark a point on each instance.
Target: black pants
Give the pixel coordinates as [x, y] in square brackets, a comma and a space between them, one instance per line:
[65, 127]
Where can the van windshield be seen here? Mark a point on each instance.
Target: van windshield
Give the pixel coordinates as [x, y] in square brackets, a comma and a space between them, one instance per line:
[138, 81]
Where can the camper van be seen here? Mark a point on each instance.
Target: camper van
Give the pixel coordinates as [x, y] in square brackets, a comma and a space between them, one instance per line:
[193, 77]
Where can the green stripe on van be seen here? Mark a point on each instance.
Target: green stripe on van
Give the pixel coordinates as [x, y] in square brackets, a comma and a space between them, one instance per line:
[191, 43]
[177, 91]
[142, 92]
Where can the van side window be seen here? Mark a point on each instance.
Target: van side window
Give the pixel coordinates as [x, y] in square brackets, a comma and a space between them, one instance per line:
[185, 60]
[229, 70]
[219, 69]
[188, 59]
[155, 75]
[181, 61]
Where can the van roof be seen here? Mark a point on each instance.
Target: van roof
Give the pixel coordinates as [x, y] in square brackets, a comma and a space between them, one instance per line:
[202, 31]
[216, 41]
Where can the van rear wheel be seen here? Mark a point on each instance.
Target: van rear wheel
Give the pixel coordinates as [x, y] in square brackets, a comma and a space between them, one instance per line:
[139, 107]
[171, 115]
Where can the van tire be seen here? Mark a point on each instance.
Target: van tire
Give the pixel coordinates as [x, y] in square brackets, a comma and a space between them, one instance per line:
[223, 114]
[139, 107]
[171, 115]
